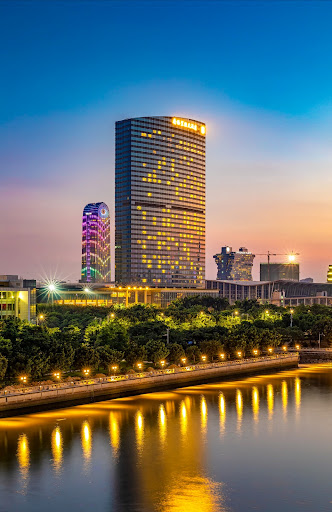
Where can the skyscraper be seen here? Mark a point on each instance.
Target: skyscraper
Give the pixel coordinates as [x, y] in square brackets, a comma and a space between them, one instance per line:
[160, 202]
[234, 265]
[329, 274]
[96, 256]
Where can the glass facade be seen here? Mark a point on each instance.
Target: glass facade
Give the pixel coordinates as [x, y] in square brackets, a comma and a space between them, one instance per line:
[96, 256]
[277, 271]
[234, 266]
[160, 202]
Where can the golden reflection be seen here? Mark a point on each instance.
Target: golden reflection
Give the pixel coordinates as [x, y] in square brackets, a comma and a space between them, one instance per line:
[114, 432]
[23, 455]
[297, 391]
[162, 424]
[86, 438]
[183, 419]
[255, 403]
[204, 414]
[57, 448]
[270, 400]
[193, 493]
[139, 429]
[284, 396]
[239, 408]
[222, 413]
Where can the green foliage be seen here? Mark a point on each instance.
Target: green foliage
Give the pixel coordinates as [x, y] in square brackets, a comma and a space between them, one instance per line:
[156, 351]
[135, 354]
[176, 352]
[211, 348]
[3, 366]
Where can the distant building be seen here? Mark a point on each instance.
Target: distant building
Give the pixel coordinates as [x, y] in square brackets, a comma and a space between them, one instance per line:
[96, 247]
[17, 298]
[160, 202]
[234, 266]
[277, 271]
[329, 274]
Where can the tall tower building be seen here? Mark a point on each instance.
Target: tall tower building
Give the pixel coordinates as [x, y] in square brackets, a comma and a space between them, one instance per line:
[234, 265]
[96, 256]
[160, 202]
[329, 274]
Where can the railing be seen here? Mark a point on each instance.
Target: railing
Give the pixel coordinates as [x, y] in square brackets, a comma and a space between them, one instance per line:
[75, 385]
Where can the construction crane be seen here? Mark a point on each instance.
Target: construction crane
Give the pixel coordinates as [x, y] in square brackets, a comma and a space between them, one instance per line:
[291, 258]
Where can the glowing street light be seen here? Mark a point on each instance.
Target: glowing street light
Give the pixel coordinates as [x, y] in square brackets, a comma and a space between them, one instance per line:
[284, 348]
[239, 353]
[270, 350]
[86, 372]
[297, 346]
[139, 366]
[114, 368]
[222, 355]
[255, 352]
[57, 375]
[162, 363]
[184, 360]
[204, 359]
[24, 379]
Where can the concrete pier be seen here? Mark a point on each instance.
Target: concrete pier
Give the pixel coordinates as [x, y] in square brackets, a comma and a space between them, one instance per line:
[66, 394]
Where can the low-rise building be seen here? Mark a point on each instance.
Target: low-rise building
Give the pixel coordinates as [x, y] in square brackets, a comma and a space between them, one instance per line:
[17, 298]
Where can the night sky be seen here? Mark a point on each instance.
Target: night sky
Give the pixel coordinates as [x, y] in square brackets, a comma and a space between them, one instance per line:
[258, 73]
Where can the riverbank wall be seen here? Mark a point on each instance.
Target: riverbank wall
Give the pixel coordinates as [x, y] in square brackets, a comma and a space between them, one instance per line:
[68, 394]
[315, 356]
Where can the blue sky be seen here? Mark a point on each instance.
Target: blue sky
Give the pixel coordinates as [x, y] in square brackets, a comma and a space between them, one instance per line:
[259, 74]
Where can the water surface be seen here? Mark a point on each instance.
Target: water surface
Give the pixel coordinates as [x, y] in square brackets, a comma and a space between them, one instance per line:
[258, 444]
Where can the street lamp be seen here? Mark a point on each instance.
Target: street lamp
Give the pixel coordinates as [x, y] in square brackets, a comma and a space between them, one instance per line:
[162, 363]
[183, 360]
[297, 346]
[255, 352]
[291, 317]
[86, 372]
[222, 355]
[56, 375]
[284, 348]
[139, 366]
[23, 379]
[270, 350]
[114, 368]
[239, 353]
[203, 359]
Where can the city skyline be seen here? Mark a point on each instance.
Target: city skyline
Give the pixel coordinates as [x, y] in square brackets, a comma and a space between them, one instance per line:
[268, 123]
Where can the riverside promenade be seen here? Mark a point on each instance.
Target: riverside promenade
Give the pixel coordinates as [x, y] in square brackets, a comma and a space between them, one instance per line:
[64, 394]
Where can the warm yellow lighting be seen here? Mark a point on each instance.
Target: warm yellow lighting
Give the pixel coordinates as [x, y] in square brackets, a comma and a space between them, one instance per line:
[255, 403]
[114, 368]
[184, 124]
[222, 412]
[139, 365]
[162, 423]
[56, 443]
[297, 393]
[162, 363]
[284, 395]
[203, 130]
[183, 360]
[204, 414]
[41, 317]
[270, 350]
[114, 432]
[239, 407]
[291, 311]
[23, 379]
[266, 311]
[139, 428]
[239, 353]
[255, 352]
[270, 399]
[203, 359]
[86, 372]
[222, 356]
[291, 258]
[86, 440]
[112, 315]
[284, 348]
[297, 346]
[56, 375]
[236, 312]
[23, 455]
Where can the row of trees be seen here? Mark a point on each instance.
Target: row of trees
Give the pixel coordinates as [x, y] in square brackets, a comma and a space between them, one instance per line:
[71, 338]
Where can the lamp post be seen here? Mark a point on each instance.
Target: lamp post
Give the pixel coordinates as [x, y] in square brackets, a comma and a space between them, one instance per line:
[291, 317]
[319, 335]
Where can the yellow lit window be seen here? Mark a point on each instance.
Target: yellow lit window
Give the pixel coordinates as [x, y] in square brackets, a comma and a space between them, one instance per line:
[143, 134]
[139, 207]
[149, 194]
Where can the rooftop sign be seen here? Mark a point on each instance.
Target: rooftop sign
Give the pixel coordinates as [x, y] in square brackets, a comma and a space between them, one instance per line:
[181, 123]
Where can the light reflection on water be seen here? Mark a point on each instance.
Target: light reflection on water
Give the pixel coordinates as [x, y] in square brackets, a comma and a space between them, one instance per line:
[172, 451]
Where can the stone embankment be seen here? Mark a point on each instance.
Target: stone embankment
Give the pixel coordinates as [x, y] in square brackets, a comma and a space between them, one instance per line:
[313, 355]
[59, 395]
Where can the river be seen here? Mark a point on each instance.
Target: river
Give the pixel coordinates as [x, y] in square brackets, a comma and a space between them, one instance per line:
[258, 444]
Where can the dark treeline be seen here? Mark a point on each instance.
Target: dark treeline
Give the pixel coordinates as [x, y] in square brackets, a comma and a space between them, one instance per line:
[71, 338]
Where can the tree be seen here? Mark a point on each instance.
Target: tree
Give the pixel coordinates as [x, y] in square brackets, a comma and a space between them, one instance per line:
[211, 348]
[156, 351]
[135, 353]
[176, 353]
[3, 367]
[113, 334]
[86, 357]
[108, 356]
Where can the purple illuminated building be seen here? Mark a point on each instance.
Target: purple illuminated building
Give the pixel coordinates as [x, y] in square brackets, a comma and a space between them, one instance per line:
[96, 256]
